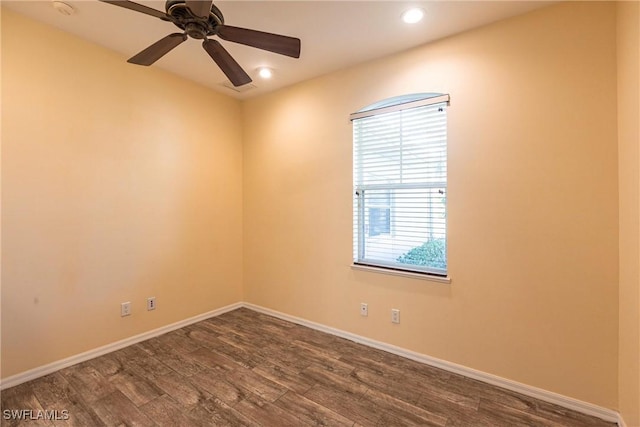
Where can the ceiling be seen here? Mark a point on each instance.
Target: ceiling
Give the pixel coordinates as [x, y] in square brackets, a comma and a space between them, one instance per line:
[334, 34]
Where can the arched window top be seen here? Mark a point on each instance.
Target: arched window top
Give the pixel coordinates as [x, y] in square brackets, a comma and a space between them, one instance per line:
[401, 102]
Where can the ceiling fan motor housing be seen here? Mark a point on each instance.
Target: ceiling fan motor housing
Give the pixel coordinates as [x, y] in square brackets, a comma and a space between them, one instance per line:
[195, 26]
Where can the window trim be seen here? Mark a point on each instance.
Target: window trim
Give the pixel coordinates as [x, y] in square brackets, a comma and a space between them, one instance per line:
[428, 100]
[387, 106]
[404, 273]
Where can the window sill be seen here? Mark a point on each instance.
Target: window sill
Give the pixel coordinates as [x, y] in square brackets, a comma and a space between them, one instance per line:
[421, 276]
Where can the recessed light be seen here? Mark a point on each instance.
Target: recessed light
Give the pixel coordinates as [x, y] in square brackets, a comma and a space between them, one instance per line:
[412, 16]
[265, 72]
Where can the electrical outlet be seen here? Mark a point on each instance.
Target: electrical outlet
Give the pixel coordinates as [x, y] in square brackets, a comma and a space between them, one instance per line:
[151, 303]
[364, 309]
[125, 309]
[395, 315]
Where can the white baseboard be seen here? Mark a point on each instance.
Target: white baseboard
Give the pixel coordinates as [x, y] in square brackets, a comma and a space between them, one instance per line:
[621, 422]
[527, 390]
[91, 354]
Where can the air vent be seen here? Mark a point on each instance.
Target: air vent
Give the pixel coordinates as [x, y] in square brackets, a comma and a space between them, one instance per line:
[239, 89]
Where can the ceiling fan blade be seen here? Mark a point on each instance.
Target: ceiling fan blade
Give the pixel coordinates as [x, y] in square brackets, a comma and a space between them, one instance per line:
[200, 8]
[158, 49]
[227, 64]
[284, 45]
[139, 8]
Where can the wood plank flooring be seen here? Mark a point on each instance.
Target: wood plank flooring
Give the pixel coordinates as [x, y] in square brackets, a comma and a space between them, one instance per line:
[244, 368]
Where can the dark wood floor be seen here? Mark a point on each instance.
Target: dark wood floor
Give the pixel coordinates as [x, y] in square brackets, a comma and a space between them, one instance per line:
[246, 368]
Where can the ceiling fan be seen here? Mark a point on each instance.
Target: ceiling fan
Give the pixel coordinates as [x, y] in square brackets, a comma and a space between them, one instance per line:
[200, 19]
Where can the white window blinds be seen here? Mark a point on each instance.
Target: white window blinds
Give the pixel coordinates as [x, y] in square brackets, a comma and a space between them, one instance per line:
[400, 184]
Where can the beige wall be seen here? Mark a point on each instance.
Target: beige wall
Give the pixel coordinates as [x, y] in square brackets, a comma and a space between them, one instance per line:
[114, 189]
[628, 14]
[119, 183]
[533, 203]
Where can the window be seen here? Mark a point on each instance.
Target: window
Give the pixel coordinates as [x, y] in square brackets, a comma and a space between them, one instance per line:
[400, 184]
